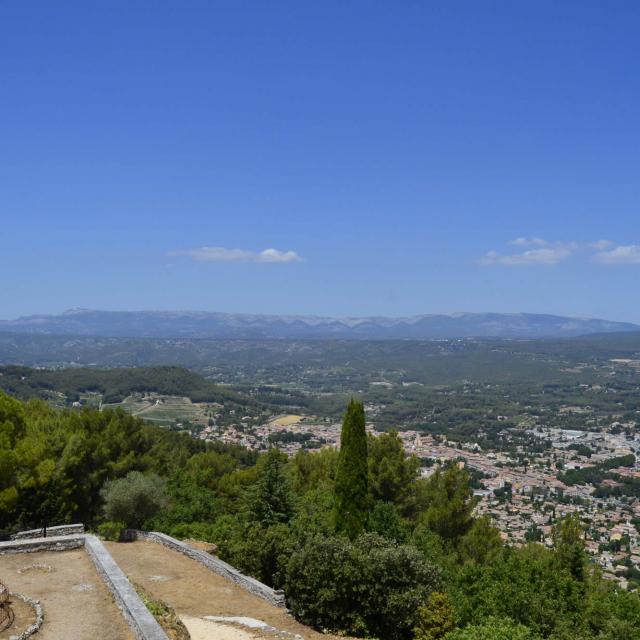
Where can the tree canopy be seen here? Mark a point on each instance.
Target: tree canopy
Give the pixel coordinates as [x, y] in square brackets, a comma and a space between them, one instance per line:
[360, 543]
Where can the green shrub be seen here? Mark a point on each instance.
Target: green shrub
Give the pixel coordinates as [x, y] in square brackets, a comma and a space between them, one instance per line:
[204, 531]
[435, 618]
[493, 629]
[111, 530]
[267, 553]
[385, 520]
[371, 587]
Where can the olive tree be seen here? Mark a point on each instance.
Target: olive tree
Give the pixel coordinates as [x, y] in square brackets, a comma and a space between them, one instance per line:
[134, 499]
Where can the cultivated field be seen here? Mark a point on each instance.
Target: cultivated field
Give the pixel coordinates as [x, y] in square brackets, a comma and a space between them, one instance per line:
[165, 410]
[285, 421]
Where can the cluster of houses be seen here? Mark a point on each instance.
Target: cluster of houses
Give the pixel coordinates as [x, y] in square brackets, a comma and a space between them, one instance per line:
[526, 500]
[520, 490]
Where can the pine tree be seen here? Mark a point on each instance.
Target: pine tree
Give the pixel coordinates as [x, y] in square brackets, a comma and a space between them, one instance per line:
[351, 487]
[568, 540]
[451, 503]
[271, 500]
[436, 618]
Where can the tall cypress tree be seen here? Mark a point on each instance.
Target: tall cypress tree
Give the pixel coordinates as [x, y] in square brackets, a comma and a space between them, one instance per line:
[351, 487]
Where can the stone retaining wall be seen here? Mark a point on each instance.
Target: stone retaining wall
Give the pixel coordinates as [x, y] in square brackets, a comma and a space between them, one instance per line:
[214, 564]
[61, 530]
[135, 612]
[31, 545]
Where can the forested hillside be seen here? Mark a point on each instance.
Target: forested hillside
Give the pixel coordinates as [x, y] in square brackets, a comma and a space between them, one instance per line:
[424, 361]
[114, 384]
[54, 463]
[404, 558]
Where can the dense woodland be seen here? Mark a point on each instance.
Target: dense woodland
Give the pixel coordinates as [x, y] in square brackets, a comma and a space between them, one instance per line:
[114, 385]
[430, 362]
[359, 543]
[452, 387]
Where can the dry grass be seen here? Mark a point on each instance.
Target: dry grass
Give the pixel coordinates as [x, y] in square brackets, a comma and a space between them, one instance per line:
[285, 421]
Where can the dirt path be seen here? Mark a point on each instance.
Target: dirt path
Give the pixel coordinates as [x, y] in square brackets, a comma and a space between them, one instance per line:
[195, 592]
[76, 603]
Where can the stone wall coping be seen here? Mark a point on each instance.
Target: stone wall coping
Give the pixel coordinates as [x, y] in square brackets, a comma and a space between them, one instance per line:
[31, 545]
[142, 623]
[58, 530]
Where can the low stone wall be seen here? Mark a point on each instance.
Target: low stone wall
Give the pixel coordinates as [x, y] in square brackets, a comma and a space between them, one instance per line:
[31, 545]
[61, 530]
[136, 614]
[214, 564]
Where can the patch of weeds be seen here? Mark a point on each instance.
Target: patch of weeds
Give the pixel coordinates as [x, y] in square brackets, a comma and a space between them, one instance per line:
[165, 616]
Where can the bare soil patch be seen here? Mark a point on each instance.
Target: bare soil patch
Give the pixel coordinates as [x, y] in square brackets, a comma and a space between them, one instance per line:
[201, 545]
[200, 629]
[195, 592]
[76, 602]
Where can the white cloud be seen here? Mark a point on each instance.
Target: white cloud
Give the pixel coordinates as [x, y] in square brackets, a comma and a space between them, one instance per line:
[273, 255]
[221, 254]
[547, 256]
[600, 245]
[537, 251]
[529, 242]
[622, 254]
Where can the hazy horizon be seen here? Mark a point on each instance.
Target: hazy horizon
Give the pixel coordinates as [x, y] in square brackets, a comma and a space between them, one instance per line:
[80, 310]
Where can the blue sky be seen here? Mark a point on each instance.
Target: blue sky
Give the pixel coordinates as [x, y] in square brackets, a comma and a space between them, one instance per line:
[331, 158]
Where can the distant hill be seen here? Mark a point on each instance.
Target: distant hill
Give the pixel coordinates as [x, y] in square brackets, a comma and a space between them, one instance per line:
[312, 374]
[115, 384]
[201, 324]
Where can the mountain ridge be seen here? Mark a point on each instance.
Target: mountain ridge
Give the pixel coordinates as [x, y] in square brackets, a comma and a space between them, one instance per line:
[209, 324]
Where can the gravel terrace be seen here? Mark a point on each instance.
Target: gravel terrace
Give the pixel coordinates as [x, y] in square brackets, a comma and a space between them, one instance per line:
[76, 603]
[194, 592]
